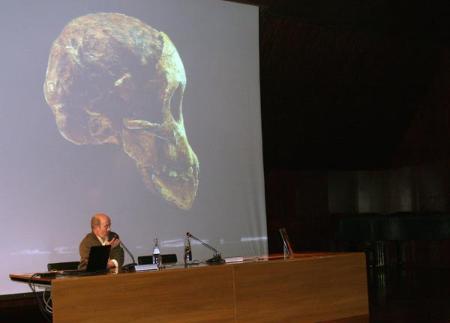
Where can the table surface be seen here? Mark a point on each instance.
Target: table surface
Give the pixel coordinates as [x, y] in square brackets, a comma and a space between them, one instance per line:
[46, 277]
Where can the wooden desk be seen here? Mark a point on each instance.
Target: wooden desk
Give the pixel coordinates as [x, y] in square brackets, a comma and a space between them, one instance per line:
[317, 288]
[25, 278]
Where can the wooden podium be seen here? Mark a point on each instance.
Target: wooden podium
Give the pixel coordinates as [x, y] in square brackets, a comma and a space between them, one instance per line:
[312, 288]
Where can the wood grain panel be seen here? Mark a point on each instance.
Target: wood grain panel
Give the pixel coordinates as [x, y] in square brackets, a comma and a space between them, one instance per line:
[310, 288]
[194, 295]
[302, 290]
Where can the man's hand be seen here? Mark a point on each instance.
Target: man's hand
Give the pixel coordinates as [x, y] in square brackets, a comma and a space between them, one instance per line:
[114, 242]
[111, 264]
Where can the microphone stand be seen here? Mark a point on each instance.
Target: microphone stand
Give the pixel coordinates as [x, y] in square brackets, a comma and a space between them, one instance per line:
[216, 259]
[128, 267]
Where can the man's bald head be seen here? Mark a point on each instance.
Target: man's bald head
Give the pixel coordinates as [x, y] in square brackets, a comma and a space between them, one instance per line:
[101, 225]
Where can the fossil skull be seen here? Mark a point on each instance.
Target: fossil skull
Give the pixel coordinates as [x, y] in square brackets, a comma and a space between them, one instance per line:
[111, 79]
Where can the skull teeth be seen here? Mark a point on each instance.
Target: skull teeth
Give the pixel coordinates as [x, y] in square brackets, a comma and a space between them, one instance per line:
[174, 174]
[140, 124]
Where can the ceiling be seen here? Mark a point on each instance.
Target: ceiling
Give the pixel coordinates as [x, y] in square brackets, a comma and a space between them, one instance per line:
[344, 83]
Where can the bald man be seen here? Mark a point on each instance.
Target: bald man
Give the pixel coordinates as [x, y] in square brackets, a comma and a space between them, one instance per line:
[101, 235]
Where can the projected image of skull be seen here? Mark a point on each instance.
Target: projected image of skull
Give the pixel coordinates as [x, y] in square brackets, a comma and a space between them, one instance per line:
[111, 79]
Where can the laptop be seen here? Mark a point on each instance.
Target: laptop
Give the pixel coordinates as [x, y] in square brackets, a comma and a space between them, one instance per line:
[97, 262]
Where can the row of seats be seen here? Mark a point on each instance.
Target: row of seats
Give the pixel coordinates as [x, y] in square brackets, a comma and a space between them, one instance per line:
[395, 226]
[142, 260]
[376, 230]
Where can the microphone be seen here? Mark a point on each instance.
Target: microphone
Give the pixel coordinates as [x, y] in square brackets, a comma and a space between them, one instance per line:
[112, 235]
[128, 267]
[216, 259]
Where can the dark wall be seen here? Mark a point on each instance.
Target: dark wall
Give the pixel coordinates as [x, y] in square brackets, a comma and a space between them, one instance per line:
[298, 201]
[348, 95]
[335, 97]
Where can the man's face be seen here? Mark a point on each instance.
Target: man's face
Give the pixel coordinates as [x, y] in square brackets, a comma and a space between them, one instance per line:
[103, 228]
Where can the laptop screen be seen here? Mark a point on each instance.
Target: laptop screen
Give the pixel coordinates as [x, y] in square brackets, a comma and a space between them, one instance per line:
[98, 258]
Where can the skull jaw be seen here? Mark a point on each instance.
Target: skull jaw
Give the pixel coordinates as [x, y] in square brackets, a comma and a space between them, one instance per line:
[178, 191]
[178, 187]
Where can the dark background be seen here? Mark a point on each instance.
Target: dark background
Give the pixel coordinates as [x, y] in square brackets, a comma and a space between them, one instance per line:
[352, 88]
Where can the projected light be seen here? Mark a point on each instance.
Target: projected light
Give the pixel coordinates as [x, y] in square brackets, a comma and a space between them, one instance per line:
[101, 111]
[111, 79]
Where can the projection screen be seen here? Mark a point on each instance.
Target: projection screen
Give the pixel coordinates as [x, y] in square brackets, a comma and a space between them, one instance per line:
[148, 111]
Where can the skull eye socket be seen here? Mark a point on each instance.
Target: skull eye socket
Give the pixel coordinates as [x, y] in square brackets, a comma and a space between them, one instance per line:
[176, 103]
[146, 103]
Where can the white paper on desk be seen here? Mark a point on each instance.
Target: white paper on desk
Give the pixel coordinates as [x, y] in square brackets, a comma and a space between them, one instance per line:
[146, 267]
[234, 259]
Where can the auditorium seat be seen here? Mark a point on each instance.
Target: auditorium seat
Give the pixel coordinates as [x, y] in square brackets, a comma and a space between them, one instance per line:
[376, 230]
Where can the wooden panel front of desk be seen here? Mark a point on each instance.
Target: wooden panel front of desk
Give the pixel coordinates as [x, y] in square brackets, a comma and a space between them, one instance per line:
[309, 289]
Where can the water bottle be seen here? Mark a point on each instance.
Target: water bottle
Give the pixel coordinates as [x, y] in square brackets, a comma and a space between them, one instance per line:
[187, 251]
[156, 254]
